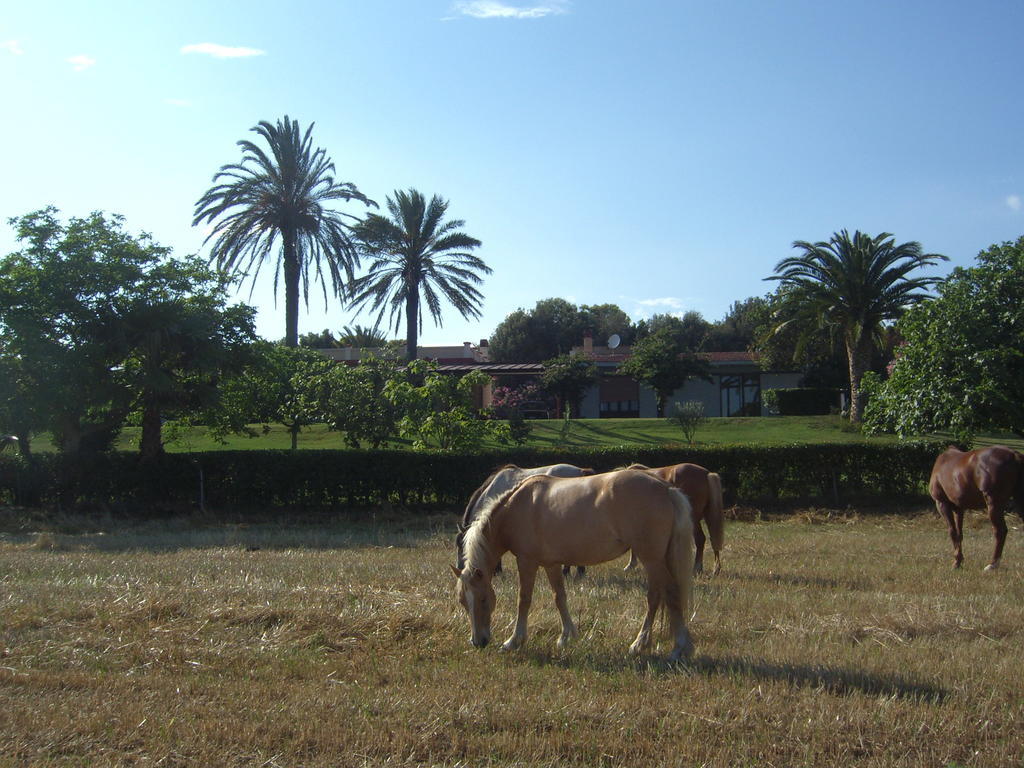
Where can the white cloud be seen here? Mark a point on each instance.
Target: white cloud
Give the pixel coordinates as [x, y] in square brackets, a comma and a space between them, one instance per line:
[12, 47]
[178, 102]
[495, 9]
[669, 301]
[81, 62]
[1013, 202]
[222, 51]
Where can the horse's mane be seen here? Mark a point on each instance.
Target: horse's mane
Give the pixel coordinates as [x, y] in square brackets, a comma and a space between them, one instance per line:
[477, 548]
[467, 513]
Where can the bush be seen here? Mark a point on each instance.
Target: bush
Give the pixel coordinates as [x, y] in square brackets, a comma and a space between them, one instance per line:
[803, 401]
[323, 479]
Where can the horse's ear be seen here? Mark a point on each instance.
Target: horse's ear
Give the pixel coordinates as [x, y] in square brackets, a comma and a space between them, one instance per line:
[456, 571]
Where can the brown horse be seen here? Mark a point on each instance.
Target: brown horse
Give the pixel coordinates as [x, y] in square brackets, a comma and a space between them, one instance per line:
[704, 490]
[986, 478]
[547, 521]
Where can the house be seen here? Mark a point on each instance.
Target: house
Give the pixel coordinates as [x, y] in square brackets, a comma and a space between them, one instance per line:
[735, 389]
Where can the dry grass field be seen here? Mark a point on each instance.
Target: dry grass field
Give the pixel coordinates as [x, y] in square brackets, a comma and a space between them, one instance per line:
[825, 641]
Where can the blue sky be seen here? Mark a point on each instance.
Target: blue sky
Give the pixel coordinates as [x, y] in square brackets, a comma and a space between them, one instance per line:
[659, 155]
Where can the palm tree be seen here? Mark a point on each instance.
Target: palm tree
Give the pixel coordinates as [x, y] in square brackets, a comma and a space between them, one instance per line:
[358, 336]
[852, 286]
[282, 194]
[417, 257]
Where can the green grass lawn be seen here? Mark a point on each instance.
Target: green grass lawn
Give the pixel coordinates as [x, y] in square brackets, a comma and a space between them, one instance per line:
[549, 434]
[594, 433]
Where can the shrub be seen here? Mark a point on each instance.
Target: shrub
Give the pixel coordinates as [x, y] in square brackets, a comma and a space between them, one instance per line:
[803, 401]
[326, 479]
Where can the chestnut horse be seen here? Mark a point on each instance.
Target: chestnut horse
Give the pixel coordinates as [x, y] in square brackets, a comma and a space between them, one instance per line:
[502, 481]
[547, 521]
[704, 490]
[987, 478]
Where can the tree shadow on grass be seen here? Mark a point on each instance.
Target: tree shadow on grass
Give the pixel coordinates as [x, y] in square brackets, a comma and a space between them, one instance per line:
[78, 534]
[838, 681]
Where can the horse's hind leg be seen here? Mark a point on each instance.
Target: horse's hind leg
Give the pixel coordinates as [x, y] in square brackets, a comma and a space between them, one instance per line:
[558, 587]
[698, 556]
[677, 621]
[955, 529]
[996, 516]
[527, 576]
[657, 577]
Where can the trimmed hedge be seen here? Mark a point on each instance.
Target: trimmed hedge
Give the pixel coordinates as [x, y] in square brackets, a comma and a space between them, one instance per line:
[258, 480]
[804, 401]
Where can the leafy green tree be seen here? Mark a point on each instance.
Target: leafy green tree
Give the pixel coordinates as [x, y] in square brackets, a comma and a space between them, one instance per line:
[64, 298]
[352, 399]
[568, 377]
[961, 366]
[417, 258]
[606, 320]
[513, 341]
[276, 387]
[183, 340]
[852, 286]
[553, 328]
[738, 330]
[277, 202]
[322, 340]
[658, 362]
[438, 410]
[689, 331]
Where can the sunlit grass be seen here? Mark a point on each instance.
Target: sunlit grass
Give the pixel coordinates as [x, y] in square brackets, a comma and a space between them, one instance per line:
[825, 641]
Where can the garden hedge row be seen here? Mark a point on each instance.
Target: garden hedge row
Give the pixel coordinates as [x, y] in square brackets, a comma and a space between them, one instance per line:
[804, 401]
[260, 480]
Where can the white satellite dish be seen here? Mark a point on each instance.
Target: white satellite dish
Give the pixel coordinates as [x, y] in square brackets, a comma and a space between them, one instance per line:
[613, 341]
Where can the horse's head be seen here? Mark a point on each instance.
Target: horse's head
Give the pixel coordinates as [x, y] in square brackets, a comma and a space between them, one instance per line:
[586, 472]
[476, 595]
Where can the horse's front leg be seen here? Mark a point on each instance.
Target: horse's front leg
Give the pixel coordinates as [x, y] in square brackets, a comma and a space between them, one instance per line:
[557, 579]
[996, 516]
[527, 576]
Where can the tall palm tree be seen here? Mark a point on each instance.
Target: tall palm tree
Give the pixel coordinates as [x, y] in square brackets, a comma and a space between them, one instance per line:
[282, 195]
[852, 286]
[418, 258]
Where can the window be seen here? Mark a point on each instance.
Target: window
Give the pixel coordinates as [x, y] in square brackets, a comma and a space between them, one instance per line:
[741, 395]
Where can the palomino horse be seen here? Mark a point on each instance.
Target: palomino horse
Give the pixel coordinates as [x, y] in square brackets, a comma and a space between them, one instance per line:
[500, 482]
[548, 521]
[704, 490]
[989, 478]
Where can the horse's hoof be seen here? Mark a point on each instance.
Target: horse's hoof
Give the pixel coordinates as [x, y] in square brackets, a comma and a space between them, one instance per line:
[992, 566]
[511, 645]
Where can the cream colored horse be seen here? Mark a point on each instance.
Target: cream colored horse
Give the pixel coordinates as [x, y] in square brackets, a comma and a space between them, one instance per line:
[500, 482]
[547, 521]
[704, 490]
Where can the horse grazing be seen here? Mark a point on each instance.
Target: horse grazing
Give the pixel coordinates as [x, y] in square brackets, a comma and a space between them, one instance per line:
[502, 481]
[704, 490]
[547, 521]
[986, 478]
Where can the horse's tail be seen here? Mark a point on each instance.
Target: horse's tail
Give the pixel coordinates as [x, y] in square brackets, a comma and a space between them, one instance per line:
[680, 550]
[714, 514]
